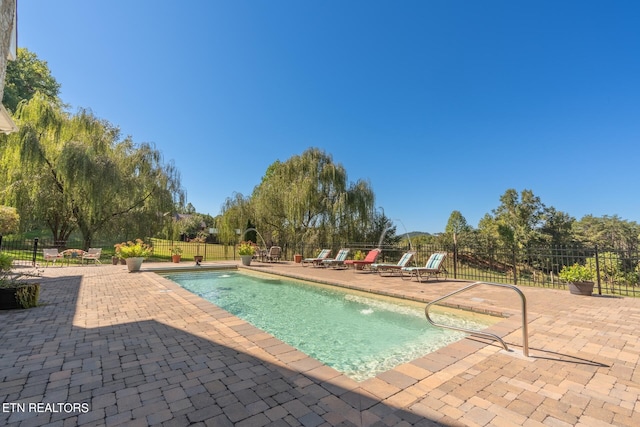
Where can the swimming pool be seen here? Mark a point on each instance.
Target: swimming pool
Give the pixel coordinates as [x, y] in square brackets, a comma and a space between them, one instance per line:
[356, 333]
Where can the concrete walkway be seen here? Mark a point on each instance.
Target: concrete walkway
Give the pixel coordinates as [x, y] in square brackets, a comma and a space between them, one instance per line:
[108, 347]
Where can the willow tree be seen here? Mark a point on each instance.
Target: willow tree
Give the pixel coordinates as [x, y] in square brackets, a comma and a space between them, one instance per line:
[30, 187]
[309, 198]
[74, 172]
[9, 220]
[235, 215]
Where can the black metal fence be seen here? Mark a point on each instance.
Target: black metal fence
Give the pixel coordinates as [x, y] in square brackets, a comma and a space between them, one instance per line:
[29, 252]
[616, 272]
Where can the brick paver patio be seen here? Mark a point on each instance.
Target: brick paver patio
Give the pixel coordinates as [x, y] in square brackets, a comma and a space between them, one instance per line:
[108, 347]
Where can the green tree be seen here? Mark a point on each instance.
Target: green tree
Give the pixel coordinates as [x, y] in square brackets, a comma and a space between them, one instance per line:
[190, 225]
[9, 220]
[31, 188]
[24, 77]
[488, 234]
[608, 232]
[556, 227]
[420, 240]
[456, 226]
[234, 216]
[306, 198]
[190, 209]
[74, 171]
[519, 217]
[381, 231]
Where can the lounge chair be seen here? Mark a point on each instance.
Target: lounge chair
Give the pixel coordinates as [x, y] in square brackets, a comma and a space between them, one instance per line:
[433, 267]
[324, 254]
[273, 254]
[394, 268]
[51, 255]
[338, 261]
[93, 254]
[360, 264]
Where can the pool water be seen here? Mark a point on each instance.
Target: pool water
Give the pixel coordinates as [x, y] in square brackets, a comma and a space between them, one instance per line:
[356, 333]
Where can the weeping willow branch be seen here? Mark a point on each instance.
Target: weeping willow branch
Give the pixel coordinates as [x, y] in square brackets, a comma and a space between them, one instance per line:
[92, 175]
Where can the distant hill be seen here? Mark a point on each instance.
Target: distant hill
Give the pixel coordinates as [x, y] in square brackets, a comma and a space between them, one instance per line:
[418, 233]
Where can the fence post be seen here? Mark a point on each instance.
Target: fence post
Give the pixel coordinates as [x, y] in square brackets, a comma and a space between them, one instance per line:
[515, 266]
[455, 260]
[598, 271]
[35, 251]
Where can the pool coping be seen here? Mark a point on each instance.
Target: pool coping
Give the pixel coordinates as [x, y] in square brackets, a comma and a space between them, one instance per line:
[504, 327]
[388, 296]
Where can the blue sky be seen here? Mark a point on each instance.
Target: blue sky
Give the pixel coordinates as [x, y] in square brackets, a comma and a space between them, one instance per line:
[440, 105]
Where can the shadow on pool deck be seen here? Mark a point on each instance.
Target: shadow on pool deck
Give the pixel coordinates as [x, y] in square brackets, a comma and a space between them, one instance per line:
[140, 350]
[152, 372]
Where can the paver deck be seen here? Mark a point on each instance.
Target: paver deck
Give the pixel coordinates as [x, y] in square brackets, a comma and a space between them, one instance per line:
[108, 347]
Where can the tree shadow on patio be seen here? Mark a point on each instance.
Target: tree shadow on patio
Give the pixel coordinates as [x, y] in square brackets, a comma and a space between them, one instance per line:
[152, 372]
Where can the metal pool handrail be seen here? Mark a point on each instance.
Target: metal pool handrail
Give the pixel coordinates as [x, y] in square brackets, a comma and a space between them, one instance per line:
[525, 333]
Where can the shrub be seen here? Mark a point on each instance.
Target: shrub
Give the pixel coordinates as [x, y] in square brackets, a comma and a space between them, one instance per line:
[133, 249]
[5, 263]
[576, 273]
[246, 248]
[26, 294]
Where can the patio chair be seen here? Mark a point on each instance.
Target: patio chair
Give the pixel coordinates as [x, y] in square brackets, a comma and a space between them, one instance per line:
[92, 255]
[51, 255]
[338, 261]
[433, 267]
[324, 254]
[361, 264]
[273, 254]
[392, 269]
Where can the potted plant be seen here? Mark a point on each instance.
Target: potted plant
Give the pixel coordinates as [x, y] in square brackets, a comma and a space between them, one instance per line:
[134, 253]
[358, 256]
[118, 255]
[176, 253]
[246, 251]
[200, 238]
[579, 279]
[14, 292]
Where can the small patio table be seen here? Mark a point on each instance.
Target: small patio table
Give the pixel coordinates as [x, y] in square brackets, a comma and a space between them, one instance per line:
[72, 254]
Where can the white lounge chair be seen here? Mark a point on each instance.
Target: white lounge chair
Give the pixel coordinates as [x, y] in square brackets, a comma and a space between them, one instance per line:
[338, 261]
[324, 254]
[394, 268]
[433, 267]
